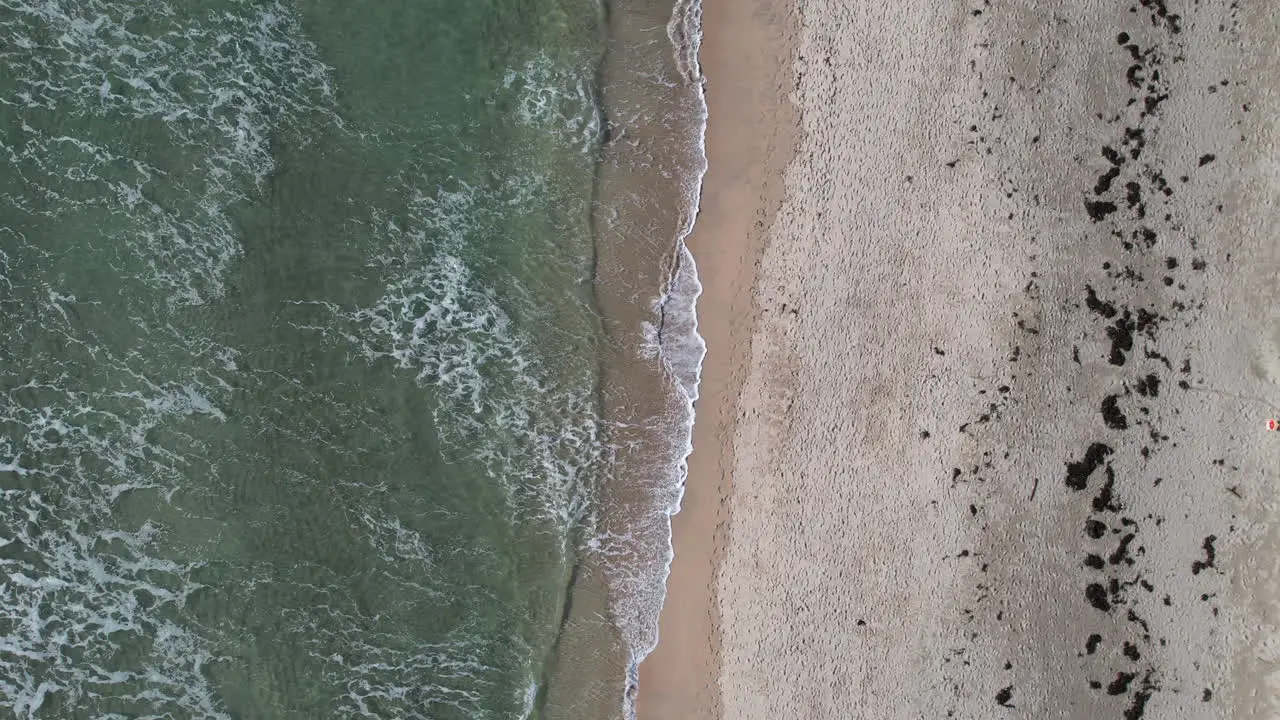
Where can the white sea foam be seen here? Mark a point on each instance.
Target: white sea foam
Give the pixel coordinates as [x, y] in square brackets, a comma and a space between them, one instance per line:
[685, 32]
[529, 699]
[219, 86]
[497, 403]
[641, 556]
[682, 347]
[501, 402]
[80, 579]
[672, 337]
[551, 95]
[76, 578]
[383, 667]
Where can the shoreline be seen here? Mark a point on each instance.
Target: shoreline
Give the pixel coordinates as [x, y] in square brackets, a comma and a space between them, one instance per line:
[745, 60]
[647, 181]
[983, 433]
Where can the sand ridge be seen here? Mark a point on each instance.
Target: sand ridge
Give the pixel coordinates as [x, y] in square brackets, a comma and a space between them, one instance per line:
[999, 448]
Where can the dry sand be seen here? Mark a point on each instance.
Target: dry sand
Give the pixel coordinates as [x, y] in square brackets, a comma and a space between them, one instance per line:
[987, 431]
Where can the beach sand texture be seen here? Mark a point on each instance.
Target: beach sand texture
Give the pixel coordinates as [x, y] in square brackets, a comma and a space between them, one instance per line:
[995, 441]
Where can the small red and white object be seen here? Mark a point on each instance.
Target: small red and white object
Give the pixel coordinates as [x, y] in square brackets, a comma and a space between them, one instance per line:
[1273, 424]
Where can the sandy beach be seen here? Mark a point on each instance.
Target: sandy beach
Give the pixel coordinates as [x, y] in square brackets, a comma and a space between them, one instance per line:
[990, 303]
[748, 147]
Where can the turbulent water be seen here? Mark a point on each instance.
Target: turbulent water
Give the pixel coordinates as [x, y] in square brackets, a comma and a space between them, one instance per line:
[300, 387]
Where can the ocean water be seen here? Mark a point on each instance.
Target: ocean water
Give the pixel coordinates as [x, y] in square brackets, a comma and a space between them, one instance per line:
[338, 377]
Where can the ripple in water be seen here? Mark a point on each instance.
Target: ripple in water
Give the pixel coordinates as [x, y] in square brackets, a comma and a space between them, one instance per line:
[297, 417]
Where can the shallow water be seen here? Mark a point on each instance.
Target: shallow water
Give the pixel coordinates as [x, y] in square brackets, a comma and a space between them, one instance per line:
[301, 393]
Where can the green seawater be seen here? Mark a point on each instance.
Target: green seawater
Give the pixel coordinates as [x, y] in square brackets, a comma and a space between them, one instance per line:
[298, 385]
